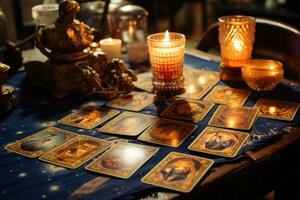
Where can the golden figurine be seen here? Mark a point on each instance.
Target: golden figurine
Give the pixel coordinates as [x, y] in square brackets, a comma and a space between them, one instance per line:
[67, 38]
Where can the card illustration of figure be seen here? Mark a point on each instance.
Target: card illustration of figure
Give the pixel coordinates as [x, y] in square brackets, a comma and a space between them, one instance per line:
[234, 117]
[178, 171]
[199, 82]
[191, 110]
[277, 109]
[221, 142]
[135, 101]
[76, 152]
[122, 160]
[227, 95]
[41, 142]
[128, 123]
[167, 132]
[89, 117]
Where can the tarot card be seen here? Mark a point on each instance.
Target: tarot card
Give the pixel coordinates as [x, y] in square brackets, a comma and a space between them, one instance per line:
[76, 152]
[89, 117]
[191, 110]
[178, 171]
[144, 81]
[128, 123]
[135, 101]
[199, 82]
[167, 132]
[227, 95]
[41, 142]
[234, 117]
[122, 160]
[276, 109]
[221, 142]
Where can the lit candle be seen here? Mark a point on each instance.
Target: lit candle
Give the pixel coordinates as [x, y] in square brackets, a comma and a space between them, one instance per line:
[262, 75]
[166, 51]
[236, 37]
[112, 47]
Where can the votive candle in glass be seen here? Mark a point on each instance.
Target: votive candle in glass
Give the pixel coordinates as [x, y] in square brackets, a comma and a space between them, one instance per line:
[236, 38]
[262, 74]
[166, 52]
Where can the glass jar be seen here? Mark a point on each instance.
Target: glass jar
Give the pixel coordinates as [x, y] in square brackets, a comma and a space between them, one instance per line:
[262, 74]
[131, 26]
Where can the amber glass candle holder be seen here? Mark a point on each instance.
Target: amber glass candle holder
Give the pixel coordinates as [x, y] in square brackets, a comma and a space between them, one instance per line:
[262, 75]
[166, 51]
[236, 37]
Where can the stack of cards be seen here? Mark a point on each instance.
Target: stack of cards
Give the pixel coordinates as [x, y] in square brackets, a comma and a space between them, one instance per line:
[122, 160]
[128, 123]
[89, 117]
[167, 132]
[276, 109]
[191, 110]
[41, 142]
[135, 101]
[234, 117]
[177, 171]
[76, 152]
[227, 95]
[221, 142]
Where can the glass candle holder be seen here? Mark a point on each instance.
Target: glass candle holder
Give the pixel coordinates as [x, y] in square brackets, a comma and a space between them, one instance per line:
[166, 51]
[236, 37]
[45, 14]
[262, 75]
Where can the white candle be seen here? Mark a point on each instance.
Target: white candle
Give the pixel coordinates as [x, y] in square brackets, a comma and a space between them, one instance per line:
[112, 47]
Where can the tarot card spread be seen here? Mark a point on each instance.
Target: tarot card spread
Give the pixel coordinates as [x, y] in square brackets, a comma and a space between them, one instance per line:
[276, 109]
[135, 101]
[128, 123]
[227, 95]
[221, 142]
[89, 117]
[177, 171]
[122, 160]
[41, 142]
[167, 132]
[234, 117]
[191, 110]
[76, 152]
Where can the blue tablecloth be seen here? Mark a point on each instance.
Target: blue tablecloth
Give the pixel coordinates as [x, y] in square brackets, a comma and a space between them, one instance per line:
[25, 178]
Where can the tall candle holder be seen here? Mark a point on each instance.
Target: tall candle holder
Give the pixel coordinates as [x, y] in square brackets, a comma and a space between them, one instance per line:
[166, 51]
[236, 37]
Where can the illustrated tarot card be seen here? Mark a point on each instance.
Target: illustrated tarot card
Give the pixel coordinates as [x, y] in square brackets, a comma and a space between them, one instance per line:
[167, 132]
[178, 171]
[122, 160]
[41, 142]
[128, 123]
[218, 141]
[76, 152]
[234, 117]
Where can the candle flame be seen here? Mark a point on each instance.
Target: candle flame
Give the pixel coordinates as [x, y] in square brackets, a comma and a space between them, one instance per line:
[167, 36]
[238, 44]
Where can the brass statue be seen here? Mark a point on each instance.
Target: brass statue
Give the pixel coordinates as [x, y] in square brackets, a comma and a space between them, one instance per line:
[67, 39]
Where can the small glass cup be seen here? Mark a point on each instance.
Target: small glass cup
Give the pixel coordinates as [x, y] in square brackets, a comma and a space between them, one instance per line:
[262, 74]
[166, 51]
[45, 14]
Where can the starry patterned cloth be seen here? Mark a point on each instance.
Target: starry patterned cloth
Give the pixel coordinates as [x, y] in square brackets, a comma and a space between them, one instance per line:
[25, 178]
